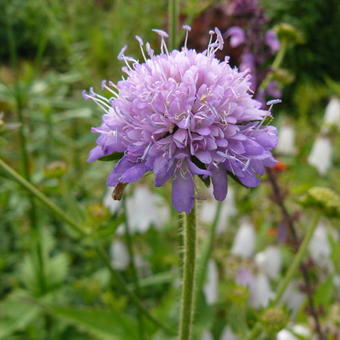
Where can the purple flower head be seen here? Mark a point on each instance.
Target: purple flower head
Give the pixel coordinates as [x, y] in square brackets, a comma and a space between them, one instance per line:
[256, 43]
[237, 36]
[272, 41]
[180, 114]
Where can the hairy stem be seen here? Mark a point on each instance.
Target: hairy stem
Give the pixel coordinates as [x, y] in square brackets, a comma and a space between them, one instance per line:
[172, 18]
[188, 279]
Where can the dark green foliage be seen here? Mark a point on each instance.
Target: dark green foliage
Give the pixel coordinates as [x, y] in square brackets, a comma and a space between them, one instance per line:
[319, 21]
[28, 23]
[59, 48]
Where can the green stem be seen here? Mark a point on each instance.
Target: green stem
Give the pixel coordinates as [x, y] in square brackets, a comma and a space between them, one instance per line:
[297, 260]
[37, 252]
[180, 228]
[76, 227]
[290, 273]
[172, 18]
[134, 272]
[188, 288]
[42, 197]
[275, 65]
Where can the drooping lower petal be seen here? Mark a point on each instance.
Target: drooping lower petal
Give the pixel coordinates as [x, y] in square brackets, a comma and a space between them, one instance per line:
[134, 173]
[250, 181]
[114, 178]
[95, 153]
[183, 191]
[220, 183]
[163, 169]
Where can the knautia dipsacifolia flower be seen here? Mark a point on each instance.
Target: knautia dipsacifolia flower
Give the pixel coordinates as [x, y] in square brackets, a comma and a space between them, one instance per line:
[180, 114]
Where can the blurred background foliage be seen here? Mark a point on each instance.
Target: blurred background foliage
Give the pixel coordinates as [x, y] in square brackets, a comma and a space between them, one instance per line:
[50, 51]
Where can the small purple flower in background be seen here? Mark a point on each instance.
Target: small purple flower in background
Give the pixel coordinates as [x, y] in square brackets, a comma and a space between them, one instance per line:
[257, 44]
[180, 114]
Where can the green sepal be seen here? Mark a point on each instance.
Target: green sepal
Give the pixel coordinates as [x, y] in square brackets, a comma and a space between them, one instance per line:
[113, 157]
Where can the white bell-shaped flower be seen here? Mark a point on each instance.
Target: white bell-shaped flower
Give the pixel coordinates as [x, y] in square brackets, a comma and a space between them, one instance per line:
[228, 334]
[244, 242]
[270, 261]
[260, 291]
[207, 336]
[332, 113]
[320, 248]
[321, 155]
[299, 331]
[293, 297]
[144, 208]
[211, 286]
[286, 143]
[208, 209]
[142, 265]
[119, 255]
[109, 202]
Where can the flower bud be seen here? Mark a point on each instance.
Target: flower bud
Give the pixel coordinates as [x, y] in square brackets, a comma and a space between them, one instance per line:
[274, 319]
[283, 76]
[323, 198]
[289, 33]
[239, 295]
[97, 213]
[55, 169]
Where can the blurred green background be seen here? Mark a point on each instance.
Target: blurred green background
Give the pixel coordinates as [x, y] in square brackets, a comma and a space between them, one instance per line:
[49, 52]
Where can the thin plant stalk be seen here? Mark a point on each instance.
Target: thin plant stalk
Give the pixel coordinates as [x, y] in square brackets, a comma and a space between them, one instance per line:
[172, 18]
[82, 232]
[279, 200]
[256, 331]
[275, 65]
[297, 259]
[180, 223]
[188, 278]
[189, 227]
[129, 243]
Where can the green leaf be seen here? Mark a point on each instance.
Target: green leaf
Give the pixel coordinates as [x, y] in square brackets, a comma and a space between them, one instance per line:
[102, 323]
[57, 269]
[109, 229]
[324, 292]
[15, 314]
[27, 274]
[112, 157]
[237, 318]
